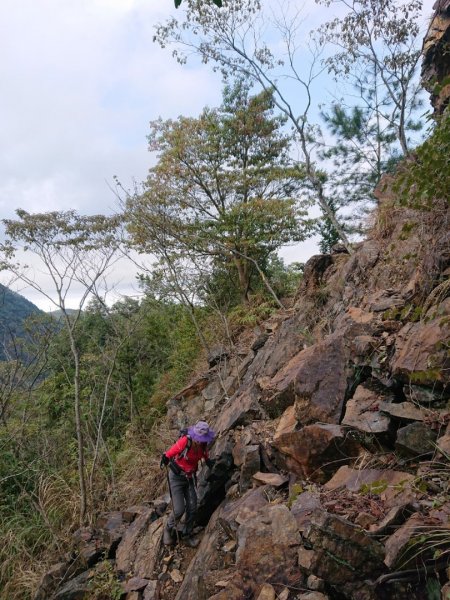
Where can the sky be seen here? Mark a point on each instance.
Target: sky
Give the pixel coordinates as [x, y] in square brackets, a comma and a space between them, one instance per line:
[80, 81]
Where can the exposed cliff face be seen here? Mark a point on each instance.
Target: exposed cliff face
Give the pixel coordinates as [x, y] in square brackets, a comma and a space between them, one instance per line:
[333, 443]
[436, 52]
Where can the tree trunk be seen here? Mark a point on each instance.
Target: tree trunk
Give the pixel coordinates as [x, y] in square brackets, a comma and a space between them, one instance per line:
[79, 430]
[244, 277]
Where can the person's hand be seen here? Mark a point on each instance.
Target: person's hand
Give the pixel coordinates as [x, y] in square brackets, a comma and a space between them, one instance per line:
[164, 461]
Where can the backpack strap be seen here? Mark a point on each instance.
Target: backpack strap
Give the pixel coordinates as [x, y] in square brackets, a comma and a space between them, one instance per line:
[187, 447]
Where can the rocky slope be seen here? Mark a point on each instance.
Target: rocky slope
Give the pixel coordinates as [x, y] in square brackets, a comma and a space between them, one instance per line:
[333, 447]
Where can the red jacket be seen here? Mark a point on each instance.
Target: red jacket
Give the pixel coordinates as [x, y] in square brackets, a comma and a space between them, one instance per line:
[189, 462]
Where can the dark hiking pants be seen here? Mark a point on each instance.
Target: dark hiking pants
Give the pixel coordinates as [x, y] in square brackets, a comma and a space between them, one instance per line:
[184, 499]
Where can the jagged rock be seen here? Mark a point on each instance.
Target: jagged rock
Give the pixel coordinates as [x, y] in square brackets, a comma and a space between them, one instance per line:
[135, 584]
[151, 592]
[267, 592]
[233, 591]
[314, 270]
[239, 511]
[288, 423]
[192, 390]
[421, 352]
[240, 448]
[251, 465]
[242, 408]
[53, 578]
[229, 546]
[284, 594]
[399, 549]
[303, 507]
[383, 300]
[260, 341]
[111, 527]
[214, 391]
[133, 596]
[138, 551]
[416, 439]
[445, 591]
[273, 479]
[313, 596]
[266, 546]
[317, 449]
[176, 575]
[423, 395]
[404, 410]
[443, 444]
[193, 585]
[340, 551]
[75, 589]
[395, 517]
[316, 379]
[160, 504]
[217, 354]
[277, 351]
[365, 520]
[90, 545]
[393, 487]
[315, 583]
[363, 412]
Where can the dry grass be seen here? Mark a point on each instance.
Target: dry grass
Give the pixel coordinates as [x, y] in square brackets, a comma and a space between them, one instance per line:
[139, 478]
[32, 543]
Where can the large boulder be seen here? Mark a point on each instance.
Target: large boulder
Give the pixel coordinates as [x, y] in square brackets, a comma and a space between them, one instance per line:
[394, 488]
[317, 450]
[266, 547]
[363, 411]
[416, 439]
[315, 379]
[339, 551]
[137, 553]
[75, 589]
[242, 408]
[421, 352]
[403, 546]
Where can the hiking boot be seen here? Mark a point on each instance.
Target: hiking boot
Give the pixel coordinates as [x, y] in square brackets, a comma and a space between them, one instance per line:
[168, 536]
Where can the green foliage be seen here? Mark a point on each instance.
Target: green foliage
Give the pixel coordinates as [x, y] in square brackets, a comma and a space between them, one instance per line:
[249, 315]
[223, 194]
[375, 488]
[425, 177]
[296, 490]
[328, 234]
[105, 585]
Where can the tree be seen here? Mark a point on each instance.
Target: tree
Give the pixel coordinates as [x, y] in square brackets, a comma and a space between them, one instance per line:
[223, 189]
[72, 250]
[379, 47]
[234, 39]
[216, 2]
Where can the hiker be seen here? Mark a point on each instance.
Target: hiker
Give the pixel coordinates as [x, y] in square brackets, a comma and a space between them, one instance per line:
[182, 459]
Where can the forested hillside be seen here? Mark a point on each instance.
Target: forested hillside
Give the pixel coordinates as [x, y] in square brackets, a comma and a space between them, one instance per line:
[327, 383]
[14, 310]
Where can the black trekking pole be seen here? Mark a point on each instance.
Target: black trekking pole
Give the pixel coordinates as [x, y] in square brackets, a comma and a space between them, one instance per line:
[173, 505]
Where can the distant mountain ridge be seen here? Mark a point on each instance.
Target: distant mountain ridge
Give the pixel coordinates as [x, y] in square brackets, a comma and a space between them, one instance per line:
[14, 310]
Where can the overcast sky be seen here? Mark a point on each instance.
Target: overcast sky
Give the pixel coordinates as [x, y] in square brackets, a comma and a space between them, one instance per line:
[80, 81]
